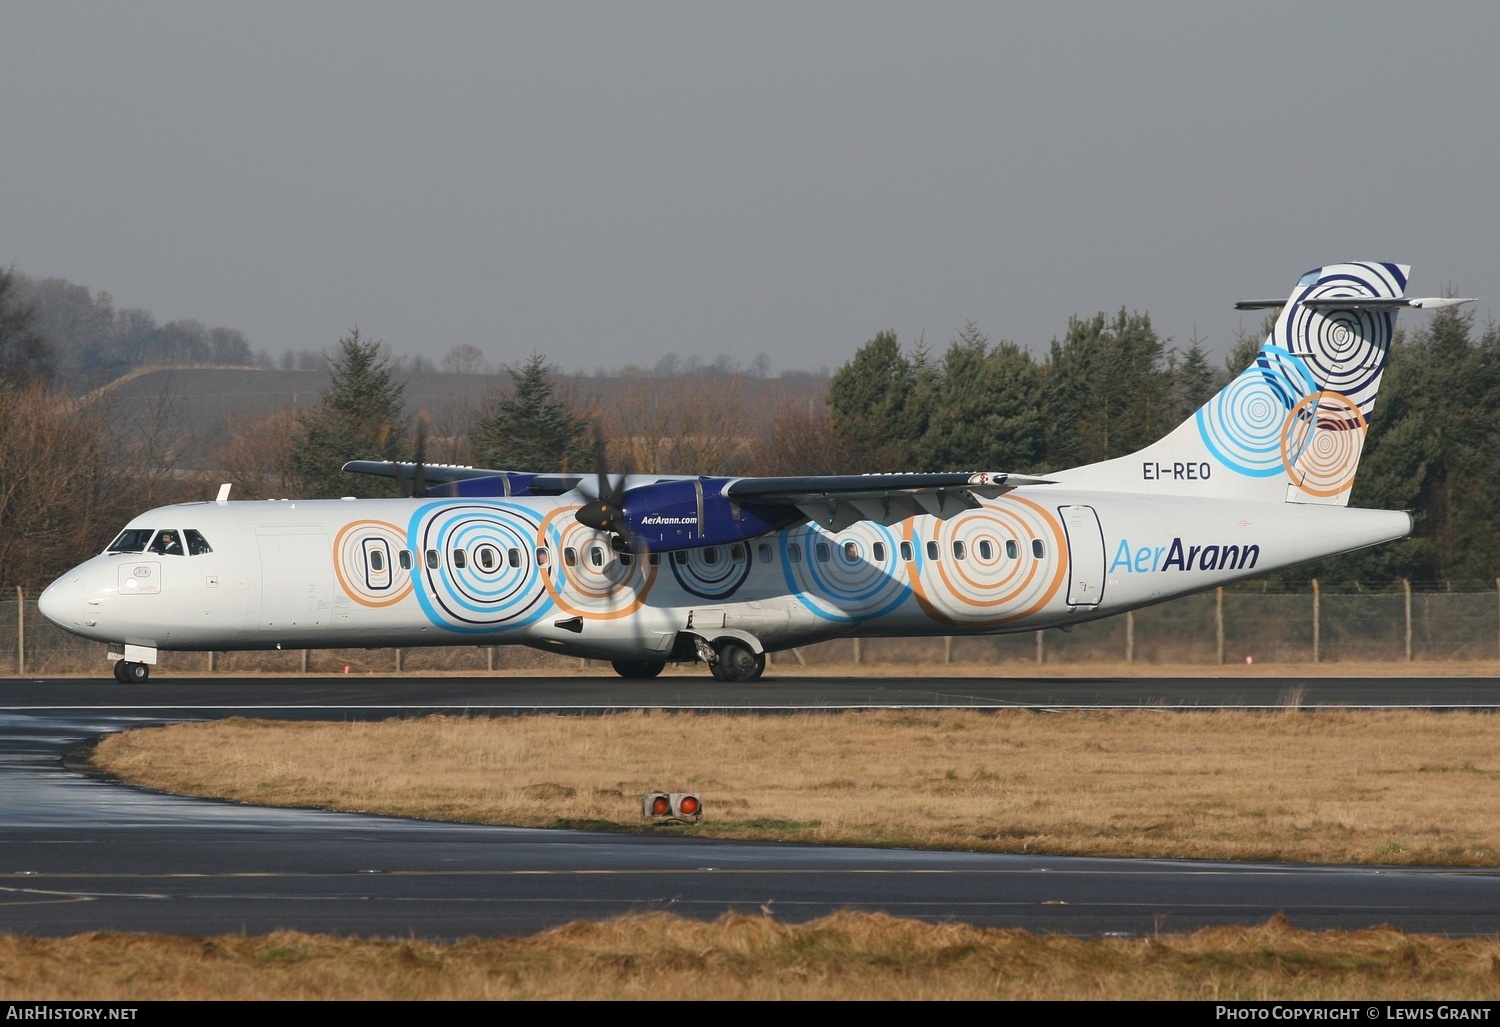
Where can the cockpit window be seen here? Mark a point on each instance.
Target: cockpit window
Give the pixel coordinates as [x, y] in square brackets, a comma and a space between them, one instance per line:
[131, 540]
[197, 544]
[167, 543]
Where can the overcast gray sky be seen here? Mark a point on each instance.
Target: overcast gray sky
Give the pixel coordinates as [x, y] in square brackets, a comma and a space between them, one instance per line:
[607, 183]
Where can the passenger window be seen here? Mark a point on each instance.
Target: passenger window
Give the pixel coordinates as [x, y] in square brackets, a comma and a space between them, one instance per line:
[570, 556]
[1037, 549]
[513, 557]
[878, 552]
[824, 552]
[460, 559]
[377, 561]
[196, 543]
[933, 553]
[794, 552]
[434, 560]
[131, 540]
[167, 544]
[906, 552]
[764, 552]
[405, 557]
[1011, 550]
[958, 550]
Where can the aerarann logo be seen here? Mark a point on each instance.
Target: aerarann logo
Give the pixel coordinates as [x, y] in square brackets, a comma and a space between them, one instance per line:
[1179, 557]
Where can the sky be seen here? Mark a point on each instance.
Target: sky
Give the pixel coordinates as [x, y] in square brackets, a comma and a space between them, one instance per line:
[607, 183]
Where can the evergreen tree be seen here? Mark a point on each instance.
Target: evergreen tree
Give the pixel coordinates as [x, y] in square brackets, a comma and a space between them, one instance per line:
[530, 430]
[987, 413]
[361, 417]
[874, 405]
[1106, 390]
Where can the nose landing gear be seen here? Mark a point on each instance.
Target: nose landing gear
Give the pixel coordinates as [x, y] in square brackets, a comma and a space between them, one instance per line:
[128, 673]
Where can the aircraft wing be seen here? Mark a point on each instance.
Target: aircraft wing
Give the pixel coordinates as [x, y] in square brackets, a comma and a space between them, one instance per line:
[839, 500]
[446, 479]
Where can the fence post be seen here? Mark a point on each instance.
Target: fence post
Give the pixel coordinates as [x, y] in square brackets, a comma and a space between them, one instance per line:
[20, 632]
[1130, 636]
[1219, 624]
[1041, 649]
[1406, 588]
[1317, 641]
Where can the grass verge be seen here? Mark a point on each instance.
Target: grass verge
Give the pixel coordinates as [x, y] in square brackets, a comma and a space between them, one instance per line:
[1390, 787]
[847, 956]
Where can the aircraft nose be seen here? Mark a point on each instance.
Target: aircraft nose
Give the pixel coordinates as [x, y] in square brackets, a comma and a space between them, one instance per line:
[62, 601]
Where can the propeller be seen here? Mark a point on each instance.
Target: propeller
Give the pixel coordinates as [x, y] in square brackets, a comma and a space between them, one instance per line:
[414, 486]
[606, 511]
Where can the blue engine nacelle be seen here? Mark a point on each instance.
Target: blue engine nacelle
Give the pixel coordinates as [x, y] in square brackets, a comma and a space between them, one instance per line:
[670, 515]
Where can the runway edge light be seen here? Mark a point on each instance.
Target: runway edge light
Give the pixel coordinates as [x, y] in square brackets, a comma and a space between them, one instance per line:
[669, 806]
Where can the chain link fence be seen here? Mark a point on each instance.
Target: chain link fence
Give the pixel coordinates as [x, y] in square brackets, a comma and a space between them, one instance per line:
[1329, 624]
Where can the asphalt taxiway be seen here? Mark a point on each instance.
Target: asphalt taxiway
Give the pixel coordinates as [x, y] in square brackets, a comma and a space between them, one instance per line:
[79, 854]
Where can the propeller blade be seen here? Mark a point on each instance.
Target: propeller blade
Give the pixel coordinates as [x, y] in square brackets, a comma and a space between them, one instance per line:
[605, 512]
[419, 476]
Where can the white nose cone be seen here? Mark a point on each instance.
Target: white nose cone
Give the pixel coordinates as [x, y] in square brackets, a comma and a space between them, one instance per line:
[62, 602]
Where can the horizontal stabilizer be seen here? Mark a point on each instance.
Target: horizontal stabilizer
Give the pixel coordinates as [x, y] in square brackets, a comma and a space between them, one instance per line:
[1360, 303]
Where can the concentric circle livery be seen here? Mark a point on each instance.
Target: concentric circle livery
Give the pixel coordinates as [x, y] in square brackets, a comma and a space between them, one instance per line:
[587, 579]
[1015, 581]
[1244, 425]
[472, 597]
[367, 564]
[845, 581]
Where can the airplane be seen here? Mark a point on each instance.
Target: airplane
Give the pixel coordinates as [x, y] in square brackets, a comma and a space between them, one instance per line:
[646, 570]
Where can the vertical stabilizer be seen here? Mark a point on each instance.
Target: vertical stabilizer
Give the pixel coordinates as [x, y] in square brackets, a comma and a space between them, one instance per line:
[1291, 426]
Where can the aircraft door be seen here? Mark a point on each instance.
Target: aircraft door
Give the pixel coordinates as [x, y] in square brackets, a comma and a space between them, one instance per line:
[296, 577]
[1085, 555]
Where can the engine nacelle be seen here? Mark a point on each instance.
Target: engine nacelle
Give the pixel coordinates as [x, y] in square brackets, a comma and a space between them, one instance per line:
[670, 515]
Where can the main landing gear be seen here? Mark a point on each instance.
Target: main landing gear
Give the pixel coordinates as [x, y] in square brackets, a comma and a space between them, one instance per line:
[637, 670]
[736, 662]
[128, 673]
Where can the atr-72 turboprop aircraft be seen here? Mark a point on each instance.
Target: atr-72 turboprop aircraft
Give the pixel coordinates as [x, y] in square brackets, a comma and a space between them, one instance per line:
[652, 569]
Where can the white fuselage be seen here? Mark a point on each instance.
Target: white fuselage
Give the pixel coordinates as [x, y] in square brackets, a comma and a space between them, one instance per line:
[425, 572]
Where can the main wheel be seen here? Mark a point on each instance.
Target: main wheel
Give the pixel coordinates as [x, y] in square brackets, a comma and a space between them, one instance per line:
[737, 663]
[637, 670]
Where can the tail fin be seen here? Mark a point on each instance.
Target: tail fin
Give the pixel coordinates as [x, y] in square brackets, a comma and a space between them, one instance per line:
[1291, 426]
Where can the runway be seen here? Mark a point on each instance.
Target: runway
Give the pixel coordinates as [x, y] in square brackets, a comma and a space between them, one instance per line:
[80, 854]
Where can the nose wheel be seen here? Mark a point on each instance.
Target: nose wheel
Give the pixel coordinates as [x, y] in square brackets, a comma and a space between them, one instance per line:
[127, 673]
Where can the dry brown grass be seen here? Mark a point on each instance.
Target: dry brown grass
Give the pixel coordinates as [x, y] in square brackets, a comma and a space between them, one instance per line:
[847, 956]
[1332, 786]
